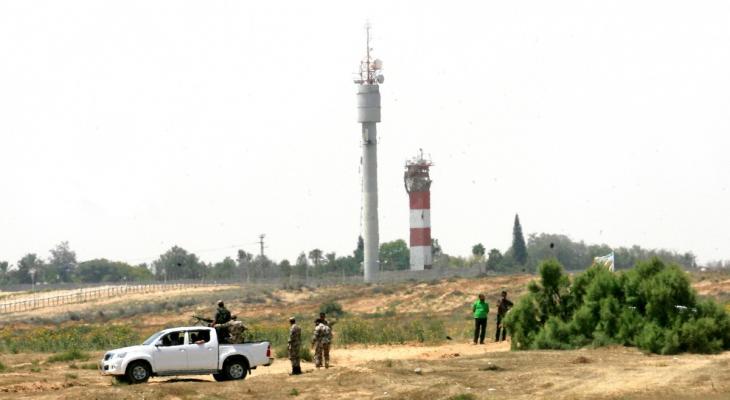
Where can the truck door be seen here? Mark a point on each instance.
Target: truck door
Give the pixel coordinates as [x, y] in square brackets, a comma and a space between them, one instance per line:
[202, 350]
[170, 353]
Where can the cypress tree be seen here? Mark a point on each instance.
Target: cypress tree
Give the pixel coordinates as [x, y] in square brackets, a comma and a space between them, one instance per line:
[519, 249]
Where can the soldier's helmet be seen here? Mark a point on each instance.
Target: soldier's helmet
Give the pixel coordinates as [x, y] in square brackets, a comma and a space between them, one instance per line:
[292, 319]
[220, 303]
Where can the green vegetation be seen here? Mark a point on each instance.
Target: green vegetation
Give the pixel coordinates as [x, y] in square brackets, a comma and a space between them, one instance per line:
[391, 330]
[92, 366]
[519, 248]
[294, 392]
[2, 367]
[463, 396]
[282, 351]
[101, 337]
[70, 375]
[651, 306]
[332, 308]
[70, 355]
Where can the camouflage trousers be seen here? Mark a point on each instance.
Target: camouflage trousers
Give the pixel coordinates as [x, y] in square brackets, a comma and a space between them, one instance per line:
[294, 356]
[322, 354]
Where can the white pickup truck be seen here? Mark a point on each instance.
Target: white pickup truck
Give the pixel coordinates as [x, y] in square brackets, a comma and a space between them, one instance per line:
[185, 351]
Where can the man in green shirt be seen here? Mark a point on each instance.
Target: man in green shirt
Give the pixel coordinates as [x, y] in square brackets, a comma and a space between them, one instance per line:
[480, 309]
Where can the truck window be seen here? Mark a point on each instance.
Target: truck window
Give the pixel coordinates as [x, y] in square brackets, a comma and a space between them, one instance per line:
[173, 339]
[199, 337]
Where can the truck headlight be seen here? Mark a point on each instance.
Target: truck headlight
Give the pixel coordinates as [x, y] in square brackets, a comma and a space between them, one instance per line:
[121, 355]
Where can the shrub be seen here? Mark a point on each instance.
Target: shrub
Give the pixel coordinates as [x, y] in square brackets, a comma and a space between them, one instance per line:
[332, 308]
[2, 367]
[652, 306]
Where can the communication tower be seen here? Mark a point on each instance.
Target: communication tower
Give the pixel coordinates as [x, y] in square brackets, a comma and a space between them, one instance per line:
[368, 114]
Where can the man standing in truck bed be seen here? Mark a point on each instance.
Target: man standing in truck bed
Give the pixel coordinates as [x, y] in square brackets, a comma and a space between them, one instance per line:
[235, 330]
[222, 315]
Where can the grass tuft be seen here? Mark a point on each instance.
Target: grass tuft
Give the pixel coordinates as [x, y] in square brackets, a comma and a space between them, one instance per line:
[463, 396]
[70, 355]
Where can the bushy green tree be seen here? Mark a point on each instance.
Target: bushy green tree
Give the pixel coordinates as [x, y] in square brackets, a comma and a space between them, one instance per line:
[177, 263]
[395, 255]
[28, 265]
[103, 270]
[494, 260]
[225, 269]
[62, 263]
[652, 306]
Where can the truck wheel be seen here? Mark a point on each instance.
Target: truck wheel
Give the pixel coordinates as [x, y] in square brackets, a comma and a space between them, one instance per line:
[138, 372]
[235, 369]
[220, 377]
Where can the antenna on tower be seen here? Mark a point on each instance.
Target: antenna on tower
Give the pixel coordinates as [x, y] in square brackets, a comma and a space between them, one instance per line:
[370, 69]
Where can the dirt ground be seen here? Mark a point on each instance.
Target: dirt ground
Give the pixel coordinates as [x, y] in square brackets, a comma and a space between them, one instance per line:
[410, 372]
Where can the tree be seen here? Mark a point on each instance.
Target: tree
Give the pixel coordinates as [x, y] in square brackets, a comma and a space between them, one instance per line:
[62, 263]
[28, 265]
[494, 259]
[436, 250]
[359, 252]
[301, 266]
[519, 249]
[395, 255]
[103, 270]
[477, 252]
[316, 256]
[244, 263]
[177, 263]
[285, 268]
[225, 269]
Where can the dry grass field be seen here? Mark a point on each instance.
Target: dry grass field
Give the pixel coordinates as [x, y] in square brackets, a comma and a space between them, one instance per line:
[435, 368]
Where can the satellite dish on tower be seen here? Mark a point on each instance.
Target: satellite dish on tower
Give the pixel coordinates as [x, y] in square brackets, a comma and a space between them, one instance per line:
[377, 64]
[380, 78]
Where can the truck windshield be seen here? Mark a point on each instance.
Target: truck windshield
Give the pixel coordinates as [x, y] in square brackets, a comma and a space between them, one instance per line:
[153, 338]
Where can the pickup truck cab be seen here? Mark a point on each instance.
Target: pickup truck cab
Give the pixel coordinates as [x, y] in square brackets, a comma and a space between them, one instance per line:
[191, 350]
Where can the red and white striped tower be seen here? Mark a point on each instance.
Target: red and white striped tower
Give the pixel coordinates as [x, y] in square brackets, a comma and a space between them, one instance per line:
[418, 186]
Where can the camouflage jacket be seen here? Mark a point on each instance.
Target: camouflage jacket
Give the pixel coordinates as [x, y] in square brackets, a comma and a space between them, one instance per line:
[295, 336]
[235, 330]
[222, 316]
[322, 334]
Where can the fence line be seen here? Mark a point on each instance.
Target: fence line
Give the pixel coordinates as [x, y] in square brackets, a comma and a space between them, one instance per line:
[82, 296]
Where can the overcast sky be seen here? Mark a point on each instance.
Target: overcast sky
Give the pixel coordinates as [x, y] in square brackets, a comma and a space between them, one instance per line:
[128, 127]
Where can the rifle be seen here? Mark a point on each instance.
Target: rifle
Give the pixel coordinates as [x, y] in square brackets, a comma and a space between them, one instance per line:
[201, 320]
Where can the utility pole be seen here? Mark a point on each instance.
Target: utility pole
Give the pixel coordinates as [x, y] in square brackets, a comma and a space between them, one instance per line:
[261, 243]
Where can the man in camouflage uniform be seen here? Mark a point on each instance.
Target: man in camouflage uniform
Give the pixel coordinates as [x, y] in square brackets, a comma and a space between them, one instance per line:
[321, 342]
[222, 315]
[295, 342]
[235, 330]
